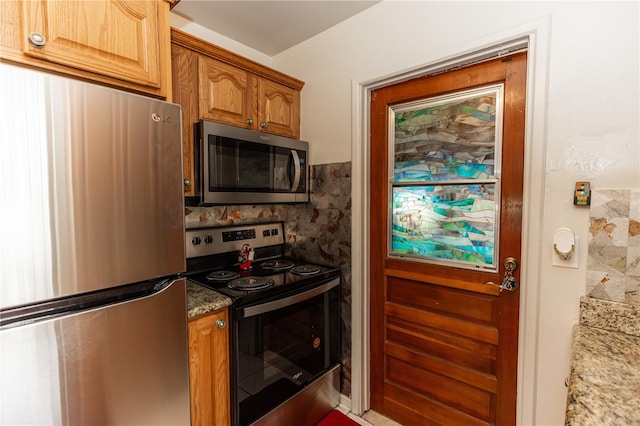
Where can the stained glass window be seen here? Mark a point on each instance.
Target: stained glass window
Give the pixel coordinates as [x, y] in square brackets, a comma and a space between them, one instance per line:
[445, 187]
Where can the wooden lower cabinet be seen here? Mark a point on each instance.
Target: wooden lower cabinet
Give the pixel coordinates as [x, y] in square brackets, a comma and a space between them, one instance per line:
[209, 369]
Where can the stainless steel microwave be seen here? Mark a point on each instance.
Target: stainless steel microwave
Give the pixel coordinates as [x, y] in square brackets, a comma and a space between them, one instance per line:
[242, 166]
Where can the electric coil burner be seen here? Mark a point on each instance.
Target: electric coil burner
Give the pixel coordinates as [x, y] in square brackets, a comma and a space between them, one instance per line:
[305, 270]
[285, 323]
[222, 275]
[277, 265]
[251, 283]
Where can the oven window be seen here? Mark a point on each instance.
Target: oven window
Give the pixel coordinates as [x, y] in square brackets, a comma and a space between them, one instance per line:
[282, 350]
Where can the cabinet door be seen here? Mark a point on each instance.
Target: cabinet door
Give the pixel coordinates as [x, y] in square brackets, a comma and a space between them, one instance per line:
[114, 38]
[279, 109]
[209, 370]
[226, 93]
[184, 66]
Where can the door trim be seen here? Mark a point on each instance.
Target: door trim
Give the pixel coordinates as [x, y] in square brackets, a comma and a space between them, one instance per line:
[537, 34]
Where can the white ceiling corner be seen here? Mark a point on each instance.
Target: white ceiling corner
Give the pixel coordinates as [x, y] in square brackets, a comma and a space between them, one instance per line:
[269, 26]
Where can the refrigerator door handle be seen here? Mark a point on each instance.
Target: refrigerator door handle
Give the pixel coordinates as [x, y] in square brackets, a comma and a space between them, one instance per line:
[27, 314]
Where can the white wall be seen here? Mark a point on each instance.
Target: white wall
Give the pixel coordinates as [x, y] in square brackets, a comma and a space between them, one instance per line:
[592, 122]
[177, 21]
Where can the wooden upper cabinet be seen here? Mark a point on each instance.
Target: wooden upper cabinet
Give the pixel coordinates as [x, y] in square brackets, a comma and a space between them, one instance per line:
[184, 66]
[118, 42]
[226, 93]
[238, 91]
[278, 109]
[237, 97]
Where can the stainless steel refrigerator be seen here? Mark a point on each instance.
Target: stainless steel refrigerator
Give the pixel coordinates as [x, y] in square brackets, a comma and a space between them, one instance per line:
[93, 324]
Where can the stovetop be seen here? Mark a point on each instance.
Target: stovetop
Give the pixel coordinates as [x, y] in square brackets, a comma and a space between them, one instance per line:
[212, 261]
[283, 281]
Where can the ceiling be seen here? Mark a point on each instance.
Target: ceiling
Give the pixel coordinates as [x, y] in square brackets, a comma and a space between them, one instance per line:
[269, 26]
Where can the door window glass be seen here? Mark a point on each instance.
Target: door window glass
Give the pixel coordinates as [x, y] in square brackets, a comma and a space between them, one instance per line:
[445, 183]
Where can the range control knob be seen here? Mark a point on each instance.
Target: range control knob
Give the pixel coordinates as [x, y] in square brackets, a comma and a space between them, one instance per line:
[208, 239]
[196, 241]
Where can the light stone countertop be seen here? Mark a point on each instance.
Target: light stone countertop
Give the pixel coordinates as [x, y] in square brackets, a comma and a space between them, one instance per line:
[201, 300]
[604, 384]
[613, 316]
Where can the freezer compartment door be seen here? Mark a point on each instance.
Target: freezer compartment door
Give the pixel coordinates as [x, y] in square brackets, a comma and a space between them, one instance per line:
[97, 174]
[124, 364]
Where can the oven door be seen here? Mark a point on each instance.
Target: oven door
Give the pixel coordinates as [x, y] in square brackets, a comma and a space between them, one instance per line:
[282, 345]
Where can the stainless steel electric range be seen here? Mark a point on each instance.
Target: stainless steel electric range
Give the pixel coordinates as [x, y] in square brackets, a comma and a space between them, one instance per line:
[285, 323]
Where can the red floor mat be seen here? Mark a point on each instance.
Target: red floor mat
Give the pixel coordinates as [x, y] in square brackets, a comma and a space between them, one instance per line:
[336, 418]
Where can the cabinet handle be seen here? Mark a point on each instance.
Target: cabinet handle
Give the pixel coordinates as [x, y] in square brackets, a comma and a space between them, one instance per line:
[221, 323]
[37, 40]
[263, 124]
[250, 121]
[187, 182]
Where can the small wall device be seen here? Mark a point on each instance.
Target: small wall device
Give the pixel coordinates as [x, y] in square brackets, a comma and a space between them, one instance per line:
[582, 194]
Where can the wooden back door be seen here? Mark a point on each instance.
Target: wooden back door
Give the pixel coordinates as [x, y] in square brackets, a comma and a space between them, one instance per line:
[446, 212]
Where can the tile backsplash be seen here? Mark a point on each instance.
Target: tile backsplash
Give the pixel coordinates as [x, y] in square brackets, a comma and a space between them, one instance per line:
[613, 265]
[318, 231]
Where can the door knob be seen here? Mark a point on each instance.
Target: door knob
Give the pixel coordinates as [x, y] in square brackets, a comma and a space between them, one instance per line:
[509, 282]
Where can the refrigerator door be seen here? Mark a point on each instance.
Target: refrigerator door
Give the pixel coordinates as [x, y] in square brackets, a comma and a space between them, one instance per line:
[94, 176]
[124, 364]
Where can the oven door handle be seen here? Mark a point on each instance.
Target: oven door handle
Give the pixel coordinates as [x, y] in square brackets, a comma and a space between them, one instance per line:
[262, 308]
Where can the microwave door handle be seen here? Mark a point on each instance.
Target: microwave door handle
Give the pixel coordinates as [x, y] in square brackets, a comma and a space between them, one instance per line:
[296, 170]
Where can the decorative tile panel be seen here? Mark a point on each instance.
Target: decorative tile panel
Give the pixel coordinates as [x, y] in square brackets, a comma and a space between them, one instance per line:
[613, 265]
[202, 217]
[320, 232]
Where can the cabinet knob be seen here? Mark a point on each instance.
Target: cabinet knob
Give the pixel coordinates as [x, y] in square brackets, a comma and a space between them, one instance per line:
[37, 40]
[221, 323]
[250, 121]
[263, 124]
[187, 182]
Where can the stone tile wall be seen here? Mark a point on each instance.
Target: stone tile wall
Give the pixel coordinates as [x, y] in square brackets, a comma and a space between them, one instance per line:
[318, 232]
[613, 265]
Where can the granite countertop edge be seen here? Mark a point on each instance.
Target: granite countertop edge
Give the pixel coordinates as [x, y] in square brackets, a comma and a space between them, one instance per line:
[202, 300]
[608, 315]
[604, 385]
